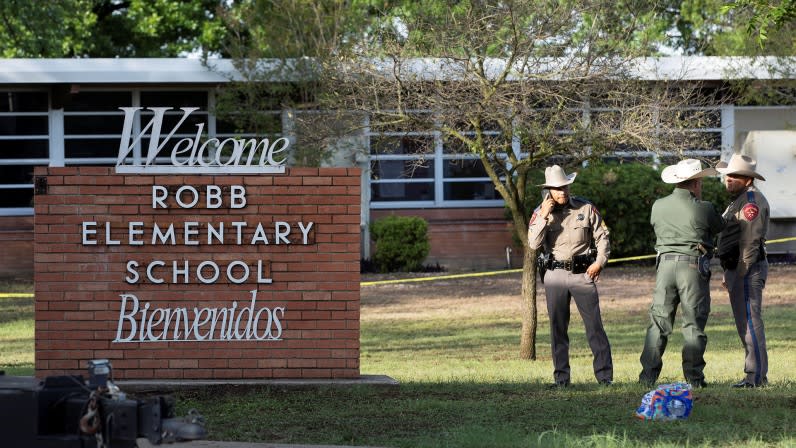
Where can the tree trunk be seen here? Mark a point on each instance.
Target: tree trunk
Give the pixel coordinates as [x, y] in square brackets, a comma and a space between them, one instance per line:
[528, 336]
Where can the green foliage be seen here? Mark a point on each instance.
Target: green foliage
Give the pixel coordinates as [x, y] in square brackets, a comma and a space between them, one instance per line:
[109, 28]
[713, 191]
[765, 15]
[401, 243]
[623, 193]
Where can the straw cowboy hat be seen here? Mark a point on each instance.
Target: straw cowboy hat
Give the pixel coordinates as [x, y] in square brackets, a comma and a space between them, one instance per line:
[740, 165]
[685, 170]
[555, 177]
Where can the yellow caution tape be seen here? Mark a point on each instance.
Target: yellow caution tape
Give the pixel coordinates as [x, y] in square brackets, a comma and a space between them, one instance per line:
[441, 277]
[511, 271]
[447, 277]
[12, 295]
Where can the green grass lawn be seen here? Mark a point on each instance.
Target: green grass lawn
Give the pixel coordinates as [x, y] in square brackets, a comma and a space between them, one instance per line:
[463, 386]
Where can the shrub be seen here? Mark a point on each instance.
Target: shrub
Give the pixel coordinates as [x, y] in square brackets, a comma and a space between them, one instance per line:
[401, 243]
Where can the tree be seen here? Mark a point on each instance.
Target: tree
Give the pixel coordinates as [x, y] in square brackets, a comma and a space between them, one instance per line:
[764, 15]
[514, 84]
[109, 28]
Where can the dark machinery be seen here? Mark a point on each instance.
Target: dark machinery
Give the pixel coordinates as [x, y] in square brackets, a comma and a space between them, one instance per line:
[70, 412]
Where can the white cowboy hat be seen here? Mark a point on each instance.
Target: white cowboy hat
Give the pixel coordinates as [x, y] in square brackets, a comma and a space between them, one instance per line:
[741, 165]
[555, 177]
[685, 170]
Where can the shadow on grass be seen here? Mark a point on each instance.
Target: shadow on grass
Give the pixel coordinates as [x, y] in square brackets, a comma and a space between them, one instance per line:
[486, 414]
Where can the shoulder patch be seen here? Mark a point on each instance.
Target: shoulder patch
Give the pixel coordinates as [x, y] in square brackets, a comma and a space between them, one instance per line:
[750, 211]
[533, 218]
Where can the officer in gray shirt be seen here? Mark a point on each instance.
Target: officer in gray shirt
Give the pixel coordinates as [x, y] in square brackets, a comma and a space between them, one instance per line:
[742, 252]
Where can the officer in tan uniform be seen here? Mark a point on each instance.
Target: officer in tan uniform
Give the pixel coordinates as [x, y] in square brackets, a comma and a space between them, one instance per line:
[576, 242]
[742, 253]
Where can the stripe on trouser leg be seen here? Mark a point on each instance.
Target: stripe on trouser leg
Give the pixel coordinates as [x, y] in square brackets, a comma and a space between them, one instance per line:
[751, 326]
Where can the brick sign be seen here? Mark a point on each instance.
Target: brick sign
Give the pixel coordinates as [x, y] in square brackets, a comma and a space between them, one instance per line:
[198, 276]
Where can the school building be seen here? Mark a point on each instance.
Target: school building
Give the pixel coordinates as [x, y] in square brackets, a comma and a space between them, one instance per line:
[65, 112]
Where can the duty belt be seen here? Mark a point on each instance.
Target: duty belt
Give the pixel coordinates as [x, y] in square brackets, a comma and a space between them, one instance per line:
[561, 264]
[676, 257]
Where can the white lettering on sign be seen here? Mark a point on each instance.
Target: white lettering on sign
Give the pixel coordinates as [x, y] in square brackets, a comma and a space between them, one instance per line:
[196, 233]
[189, 156]
[207, 272]
[213, 196]
[139, 323]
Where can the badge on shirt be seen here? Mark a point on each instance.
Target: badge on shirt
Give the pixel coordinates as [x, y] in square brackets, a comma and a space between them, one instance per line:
[581, 217]
[750, 211]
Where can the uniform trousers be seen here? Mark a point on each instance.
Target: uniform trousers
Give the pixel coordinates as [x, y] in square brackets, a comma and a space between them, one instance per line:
[678, 282]
[560, 287]
[746, 299]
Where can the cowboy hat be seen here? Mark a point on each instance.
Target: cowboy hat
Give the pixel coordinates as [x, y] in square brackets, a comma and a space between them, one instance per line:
[685, 170]
[740, 165]
[555, 177]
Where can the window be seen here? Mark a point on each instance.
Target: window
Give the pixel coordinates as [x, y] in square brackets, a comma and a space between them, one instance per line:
[418, 168]
[401, 169]
[24, 144]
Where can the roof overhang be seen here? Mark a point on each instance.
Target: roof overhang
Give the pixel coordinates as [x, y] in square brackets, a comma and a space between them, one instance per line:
[214, 71]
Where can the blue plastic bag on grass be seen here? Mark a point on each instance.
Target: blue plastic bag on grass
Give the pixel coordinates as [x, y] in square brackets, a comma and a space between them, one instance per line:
[666, 403]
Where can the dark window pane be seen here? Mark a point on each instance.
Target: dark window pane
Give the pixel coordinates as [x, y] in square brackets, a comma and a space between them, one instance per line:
[23, 102]
[24, 149]
[691, 118]
[464, 168]
[492, 141]
[421, 191]
[266, 124]
[16, 174]
[93, 124]
[711, 140]
[467, 191]
[401, 169]
[398, 145]
[91, 148]
[420, 122]
[174, 99]
[606, 119]
[98, 101]
[16, 197]
[189, 126]
[23, 126]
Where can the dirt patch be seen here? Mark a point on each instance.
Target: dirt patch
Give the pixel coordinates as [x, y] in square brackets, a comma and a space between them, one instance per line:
[629, 288]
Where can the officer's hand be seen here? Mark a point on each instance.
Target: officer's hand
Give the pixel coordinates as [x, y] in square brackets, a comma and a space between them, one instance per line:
[546, 207]
[728, 279]
[594, 271]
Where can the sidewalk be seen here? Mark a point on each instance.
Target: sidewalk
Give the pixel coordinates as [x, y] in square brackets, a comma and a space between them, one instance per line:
[155, 386]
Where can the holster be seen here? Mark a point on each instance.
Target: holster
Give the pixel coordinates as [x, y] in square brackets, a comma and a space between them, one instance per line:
[729, 260]
[703, 261]
[580, 263]
[703, 264]
[542, 262]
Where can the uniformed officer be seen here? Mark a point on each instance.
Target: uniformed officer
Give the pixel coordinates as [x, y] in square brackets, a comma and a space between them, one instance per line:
[576, 240]
[685, 228]
[743, 257]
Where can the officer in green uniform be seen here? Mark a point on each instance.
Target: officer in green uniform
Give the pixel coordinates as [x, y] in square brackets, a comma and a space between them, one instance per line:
[685, 228]
[742, 253]
[576, 240]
